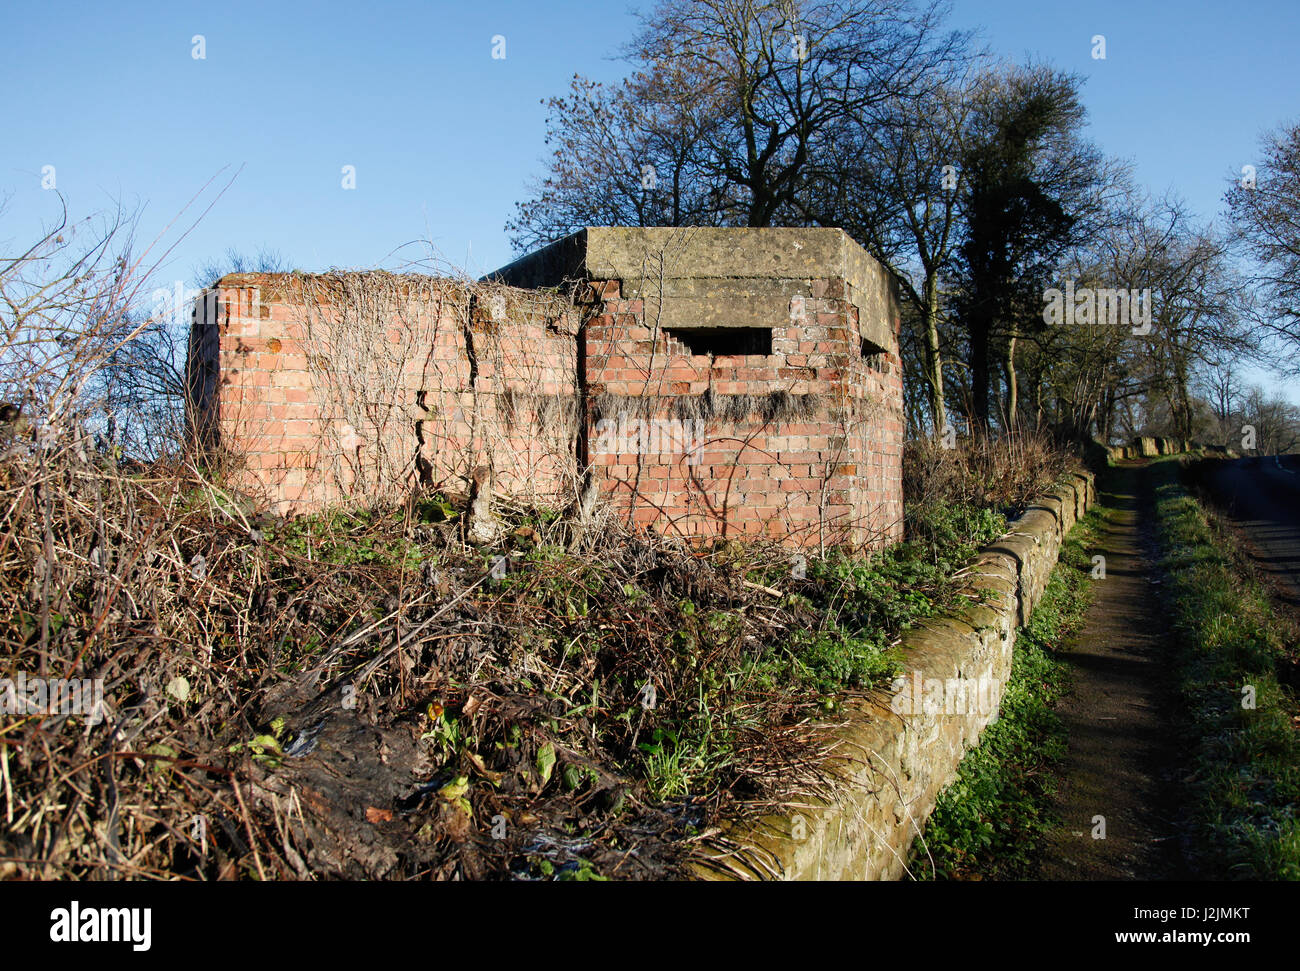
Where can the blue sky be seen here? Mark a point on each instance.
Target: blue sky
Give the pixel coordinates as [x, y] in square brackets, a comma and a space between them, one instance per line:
[444, 137]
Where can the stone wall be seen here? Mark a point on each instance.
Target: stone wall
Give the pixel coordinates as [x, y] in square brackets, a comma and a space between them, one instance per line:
[1149, 447]
[894, 753]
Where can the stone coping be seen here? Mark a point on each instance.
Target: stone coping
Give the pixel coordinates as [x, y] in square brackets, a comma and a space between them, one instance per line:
[890, 757]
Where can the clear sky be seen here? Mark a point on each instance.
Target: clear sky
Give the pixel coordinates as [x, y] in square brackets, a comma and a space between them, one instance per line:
[444, 137]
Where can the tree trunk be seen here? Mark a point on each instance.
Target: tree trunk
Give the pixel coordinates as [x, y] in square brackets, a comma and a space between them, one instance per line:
[1185, 405]
[933, 360]
[980, 376]
[1013, 391]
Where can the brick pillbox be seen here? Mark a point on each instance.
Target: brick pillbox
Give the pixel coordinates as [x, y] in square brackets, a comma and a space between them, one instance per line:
[711, 382]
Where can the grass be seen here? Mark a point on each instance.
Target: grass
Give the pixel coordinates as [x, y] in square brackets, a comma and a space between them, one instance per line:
[862, 606]
[1234, 655]
[991, 820]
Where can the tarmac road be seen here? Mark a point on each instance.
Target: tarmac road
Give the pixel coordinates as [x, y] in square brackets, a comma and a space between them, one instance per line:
[1261, 498]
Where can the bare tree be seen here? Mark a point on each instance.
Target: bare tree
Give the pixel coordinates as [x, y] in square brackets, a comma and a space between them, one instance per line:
[1265, 210]
[64, 311]
[1222, 390]
[732, 113]
[626, 155]
[1275, 420]
[1111, 372]
[899, 197]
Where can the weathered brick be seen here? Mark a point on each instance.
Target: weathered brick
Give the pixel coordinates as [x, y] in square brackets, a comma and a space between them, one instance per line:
[764, 477]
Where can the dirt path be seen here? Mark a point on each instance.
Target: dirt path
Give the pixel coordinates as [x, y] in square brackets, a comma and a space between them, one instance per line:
[1121, 762]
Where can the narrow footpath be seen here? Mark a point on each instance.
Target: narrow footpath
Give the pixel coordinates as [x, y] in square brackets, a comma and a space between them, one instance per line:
[1122, 762]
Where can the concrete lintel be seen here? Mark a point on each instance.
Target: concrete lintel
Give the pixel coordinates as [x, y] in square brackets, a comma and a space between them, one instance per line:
[717, 277]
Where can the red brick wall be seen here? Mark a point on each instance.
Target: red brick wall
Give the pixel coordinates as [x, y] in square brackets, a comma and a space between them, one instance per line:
[319, 405]
[803, 445]
[875, 393]
[336, 394]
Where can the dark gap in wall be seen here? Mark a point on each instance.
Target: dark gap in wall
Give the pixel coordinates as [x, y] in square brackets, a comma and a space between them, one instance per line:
[873, 355]
[717, 341]
[468, 332]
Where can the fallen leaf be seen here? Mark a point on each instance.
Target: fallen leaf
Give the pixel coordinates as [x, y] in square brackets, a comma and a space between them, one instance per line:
[456, 819]
[454, 789]
[477, 761]
[375, 815]
[546, 762]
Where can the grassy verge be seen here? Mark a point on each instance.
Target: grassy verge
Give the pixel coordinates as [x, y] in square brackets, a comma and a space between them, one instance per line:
[1234, 653]
[990, 821]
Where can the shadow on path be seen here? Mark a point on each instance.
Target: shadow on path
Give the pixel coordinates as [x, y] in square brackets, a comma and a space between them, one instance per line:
[1121, 762]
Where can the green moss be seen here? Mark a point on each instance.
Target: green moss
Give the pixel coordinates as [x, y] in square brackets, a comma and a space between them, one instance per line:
[991, 820]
